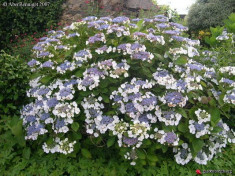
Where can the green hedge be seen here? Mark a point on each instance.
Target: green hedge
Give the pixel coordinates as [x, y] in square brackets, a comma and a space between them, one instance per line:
[209, 13]
[21, 19]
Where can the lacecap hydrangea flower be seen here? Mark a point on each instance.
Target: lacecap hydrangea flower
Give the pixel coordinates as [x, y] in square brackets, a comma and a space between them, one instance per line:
[136, 82]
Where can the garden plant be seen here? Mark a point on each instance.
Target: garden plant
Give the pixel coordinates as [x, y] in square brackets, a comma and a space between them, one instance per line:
[135, 86]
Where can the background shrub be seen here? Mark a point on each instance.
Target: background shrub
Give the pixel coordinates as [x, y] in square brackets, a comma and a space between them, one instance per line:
[17, 20]
[209, 13]
[14, 79]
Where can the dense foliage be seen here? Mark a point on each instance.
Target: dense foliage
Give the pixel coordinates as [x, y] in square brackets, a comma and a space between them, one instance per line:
[14, 79]
[21, 158]
[135, 87]
[209, 13]
[26, 16]
[103, 165]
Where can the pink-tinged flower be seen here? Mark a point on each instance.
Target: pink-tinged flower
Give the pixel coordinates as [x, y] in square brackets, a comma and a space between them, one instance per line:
[101, 7]
[87, 2]
[46, 29]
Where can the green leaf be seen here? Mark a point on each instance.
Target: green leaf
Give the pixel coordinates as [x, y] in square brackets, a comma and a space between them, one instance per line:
[141, 154]
[35, 75]
[26, 153]
[1, 98]
[182, 127]
[139, 24]
[216, 129]
[164, 148]
[104, 84]
[79, 73]
[45, 79]
[158, 146]
[75, 126]
[203, 84]
[159, 56]
[105, 98]
[17, 129]
[86, 153]
[181, 60]
[182, 112]
[215, 116]
[152, 157]
[197, 145]
[76, 136]
[110, 141]
[147, 142]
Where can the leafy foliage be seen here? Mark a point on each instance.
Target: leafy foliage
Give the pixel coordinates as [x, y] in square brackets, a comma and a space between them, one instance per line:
[136, 88]
[14, 79]
[15, 20]
[210, 13]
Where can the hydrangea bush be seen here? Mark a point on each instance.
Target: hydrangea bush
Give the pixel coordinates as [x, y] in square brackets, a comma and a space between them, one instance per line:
[135, 84]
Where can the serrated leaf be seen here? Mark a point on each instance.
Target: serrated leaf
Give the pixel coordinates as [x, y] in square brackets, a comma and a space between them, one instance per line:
[110, 141]
[86, 153]
[75, 126]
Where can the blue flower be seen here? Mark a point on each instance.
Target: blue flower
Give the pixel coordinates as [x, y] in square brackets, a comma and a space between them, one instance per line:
[130, 108]
[59, 124]
[199, 127]
[130, 141]
[87, 81]
[120, 19]
[174, 97]
[106, 120]
[44, 116]
[30, 118]
[170, 137]
[42, 54]
[47, 64]
[171, 32]
[143, 118]
[65, 92]
[32, 63]
[43, 91]
[52, 102]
